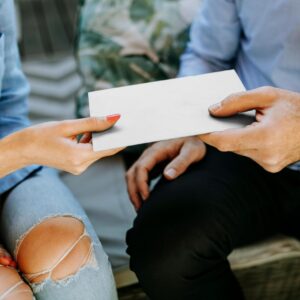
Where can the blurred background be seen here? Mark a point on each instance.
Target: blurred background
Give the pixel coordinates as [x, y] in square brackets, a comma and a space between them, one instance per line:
[46, 32]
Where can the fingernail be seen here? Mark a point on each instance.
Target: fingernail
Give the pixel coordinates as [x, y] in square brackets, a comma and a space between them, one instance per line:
[113, 118]
[215, 107]
[171, 173]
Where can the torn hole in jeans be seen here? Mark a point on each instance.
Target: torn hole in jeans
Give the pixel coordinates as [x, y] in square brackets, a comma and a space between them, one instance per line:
[38, 279]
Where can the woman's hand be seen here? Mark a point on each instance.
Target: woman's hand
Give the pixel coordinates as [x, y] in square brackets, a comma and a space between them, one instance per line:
[181, 152]
[273, 141]
[55, 144]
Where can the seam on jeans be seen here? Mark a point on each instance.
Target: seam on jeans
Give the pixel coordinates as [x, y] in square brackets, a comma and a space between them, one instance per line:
[38, 287]
[10, 290]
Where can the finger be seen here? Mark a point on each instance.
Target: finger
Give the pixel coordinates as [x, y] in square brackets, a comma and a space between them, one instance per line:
[188, 155]
[148, 161]
[259, 116]
[93, 124]
[106, 153]
[236, 139]
[86, 138]
[6, 259]
[132, 188]
[142, 168]
[142, 182]
[244, 101]
[91, 155]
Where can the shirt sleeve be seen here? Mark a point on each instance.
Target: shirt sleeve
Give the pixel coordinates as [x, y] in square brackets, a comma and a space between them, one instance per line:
[214, 39]
[14, 90]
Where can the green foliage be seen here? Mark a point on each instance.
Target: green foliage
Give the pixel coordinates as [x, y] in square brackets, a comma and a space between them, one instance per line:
[141, 10]
[124, 42]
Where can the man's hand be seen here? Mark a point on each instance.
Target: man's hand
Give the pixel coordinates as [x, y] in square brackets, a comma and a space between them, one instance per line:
[182, 153]
[273, 141]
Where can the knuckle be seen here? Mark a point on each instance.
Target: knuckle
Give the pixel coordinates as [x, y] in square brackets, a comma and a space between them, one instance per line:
[93, 121]
[180, 164]
[62, 126]
[76, 171]
[197, 143]
[232, 97]
[128, 175]
[138, 166]
[153, 151]
[272, 162]
[268, 90]
[223, 147]
[76, 159]
[141, 166]
[272, 169]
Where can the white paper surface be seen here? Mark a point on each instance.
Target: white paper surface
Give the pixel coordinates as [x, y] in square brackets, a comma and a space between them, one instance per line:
[164, 109]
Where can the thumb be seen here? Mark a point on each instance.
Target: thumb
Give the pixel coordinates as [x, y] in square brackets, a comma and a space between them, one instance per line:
[244, 101]
[92, 124]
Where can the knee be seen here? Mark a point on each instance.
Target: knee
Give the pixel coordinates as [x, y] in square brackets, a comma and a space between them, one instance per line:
[169, 246]
[12, 287]
[54, 249]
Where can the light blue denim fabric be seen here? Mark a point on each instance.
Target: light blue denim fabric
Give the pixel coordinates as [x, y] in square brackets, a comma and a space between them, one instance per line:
[13, 88]
[42, 196]
[259, 38]
[36, 194]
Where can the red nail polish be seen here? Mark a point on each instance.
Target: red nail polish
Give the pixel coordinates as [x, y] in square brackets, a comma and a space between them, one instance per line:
[113, 118]
[5, 261]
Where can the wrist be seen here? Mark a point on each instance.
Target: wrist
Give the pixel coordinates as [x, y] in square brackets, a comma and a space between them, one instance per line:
[14, 150]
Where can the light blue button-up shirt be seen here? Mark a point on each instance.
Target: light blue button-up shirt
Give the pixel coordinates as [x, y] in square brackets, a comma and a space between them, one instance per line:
[260, 39]
[13, 89]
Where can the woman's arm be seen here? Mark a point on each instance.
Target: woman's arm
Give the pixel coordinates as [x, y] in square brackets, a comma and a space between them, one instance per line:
[54, 144]
[13, 90]
[10, 155]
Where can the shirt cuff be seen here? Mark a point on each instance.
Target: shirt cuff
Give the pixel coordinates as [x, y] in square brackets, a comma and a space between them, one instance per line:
[11, 180]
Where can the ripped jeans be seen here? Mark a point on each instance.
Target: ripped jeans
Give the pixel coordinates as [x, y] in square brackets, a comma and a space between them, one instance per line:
[49, 235]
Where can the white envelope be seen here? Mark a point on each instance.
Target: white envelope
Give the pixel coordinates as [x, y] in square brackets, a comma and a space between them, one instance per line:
[164, 109]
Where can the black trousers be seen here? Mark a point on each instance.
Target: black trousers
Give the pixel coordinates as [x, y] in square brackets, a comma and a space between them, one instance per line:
[183, 234]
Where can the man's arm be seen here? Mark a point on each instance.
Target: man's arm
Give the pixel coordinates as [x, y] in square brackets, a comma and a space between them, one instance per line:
[214, 39]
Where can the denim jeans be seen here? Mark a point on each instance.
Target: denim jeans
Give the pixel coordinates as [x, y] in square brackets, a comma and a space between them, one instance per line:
[40, 197]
